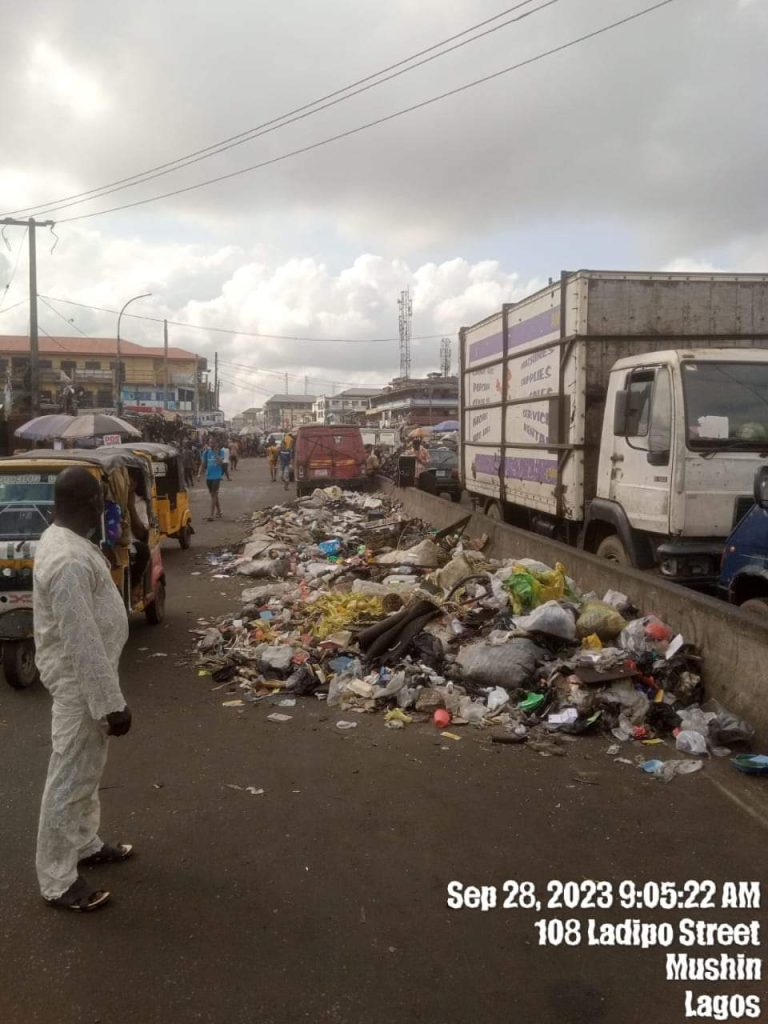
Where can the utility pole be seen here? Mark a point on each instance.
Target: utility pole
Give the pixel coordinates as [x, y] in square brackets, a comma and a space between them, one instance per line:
[286, 383]
[196, 396]
[165, 364]
[215, 381]
[34, 342]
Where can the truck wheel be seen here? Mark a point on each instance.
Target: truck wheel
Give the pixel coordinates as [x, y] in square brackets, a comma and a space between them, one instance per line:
[155, 612]
[613, 550]
[494, 511]
[758, 605]
[19, 664]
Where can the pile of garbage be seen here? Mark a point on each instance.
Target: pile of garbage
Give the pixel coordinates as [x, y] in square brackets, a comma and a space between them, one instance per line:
[351, 602]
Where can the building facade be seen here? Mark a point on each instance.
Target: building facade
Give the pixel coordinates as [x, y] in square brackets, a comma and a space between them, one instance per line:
[90, 366]
[281, 411]
[415, 402]
[348, 406]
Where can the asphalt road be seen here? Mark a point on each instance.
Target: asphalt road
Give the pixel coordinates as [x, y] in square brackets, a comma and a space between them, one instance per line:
[324, 898]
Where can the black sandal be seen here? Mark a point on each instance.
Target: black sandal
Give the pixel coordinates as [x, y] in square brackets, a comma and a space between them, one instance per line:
[109, 854]
[80, 898]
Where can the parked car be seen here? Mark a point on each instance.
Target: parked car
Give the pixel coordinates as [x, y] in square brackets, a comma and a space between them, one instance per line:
[444, 463]
[327, 455]
[744, 569]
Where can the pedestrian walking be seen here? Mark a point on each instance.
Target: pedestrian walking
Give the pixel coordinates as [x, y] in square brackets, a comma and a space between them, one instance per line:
[234, 455]
[212, 462]
[272, 451]
[81, 627]
[284, 460]
[421, 455]
[188, 464]
[225, 458]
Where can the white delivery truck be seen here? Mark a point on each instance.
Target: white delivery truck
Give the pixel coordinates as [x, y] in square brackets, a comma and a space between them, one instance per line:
[625, 413]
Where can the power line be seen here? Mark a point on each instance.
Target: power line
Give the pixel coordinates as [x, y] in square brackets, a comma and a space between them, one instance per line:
[7, 309]
[61, 316]
[13, 272]
[293, 376]
[297, 114]
[234, 331]
[377, 121]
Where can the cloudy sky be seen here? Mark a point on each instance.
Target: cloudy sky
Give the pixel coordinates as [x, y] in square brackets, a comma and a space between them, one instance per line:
[641, 148]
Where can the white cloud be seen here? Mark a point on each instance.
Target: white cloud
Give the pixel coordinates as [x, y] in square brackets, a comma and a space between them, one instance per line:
[59, 81]
[635, 149]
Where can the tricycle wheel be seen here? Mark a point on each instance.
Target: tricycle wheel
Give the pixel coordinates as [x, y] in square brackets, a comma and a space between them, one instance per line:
[185, 537]
[155, 612]
[19, 663]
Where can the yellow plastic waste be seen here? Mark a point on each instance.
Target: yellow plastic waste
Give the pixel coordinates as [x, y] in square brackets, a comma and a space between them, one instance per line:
[528, 588]
[397, 715]
[335, 611]
[592, 642]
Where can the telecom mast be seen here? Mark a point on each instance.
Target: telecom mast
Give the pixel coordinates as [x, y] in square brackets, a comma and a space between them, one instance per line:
[445, 357]
[404, 321]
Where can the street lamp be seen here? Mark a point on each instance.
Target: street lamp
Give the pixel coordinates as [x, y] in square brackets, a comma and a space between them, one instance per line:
[118, 367]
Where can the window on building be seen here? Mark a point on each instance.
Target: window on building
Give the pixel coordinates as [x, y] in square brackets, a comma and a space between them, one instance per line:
[92, 364]
[45, 364]
[68, 366]
[19, 362]
[103, 398]
[3, 365]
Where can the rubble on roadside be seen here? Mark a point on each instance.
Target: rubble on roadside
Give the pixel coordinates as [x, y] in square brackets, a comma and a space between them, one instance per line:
[349, 601]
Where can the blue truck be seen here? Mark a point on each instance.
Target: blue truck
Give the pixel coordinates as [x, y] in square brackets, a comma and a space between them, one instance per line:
[744, 567]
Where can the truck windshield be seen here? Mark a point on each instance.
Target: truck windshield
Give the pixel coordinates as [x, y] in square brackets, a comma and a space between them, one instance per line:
[26, 504]
[726, 405]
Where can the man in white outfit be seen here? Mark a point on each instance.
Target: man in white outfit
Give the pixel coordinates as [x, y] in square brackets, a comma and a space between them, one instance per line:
[81, 627]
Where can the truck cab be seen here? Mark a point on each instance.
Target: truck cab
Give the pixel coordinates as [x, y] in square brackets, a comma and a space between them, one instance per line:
[744, 571]
[683, 434]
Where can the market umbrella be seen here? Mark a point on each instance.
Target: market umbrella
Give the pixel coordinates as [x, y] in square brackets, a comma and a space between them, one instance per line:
[43, 428]
[98, 424]
[446, 426]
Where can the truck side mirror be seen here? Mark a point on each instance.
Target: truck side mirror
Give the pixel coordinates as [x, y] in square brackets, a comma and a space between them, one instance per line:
[620, 414]
[761, 487]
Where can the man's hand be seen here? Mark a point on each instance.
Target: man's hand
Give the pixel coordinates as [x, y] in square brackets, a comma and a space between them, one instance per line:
[119, 722]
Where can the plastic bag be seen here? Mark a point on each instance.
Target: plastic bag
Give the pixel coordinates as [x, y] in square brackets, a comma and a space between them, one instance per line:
[665, 771]
[497, 698]
[509, 665]
[691, 742]
[461, 566]
[552, 619]
[645, 636]
[273, 567]
[472, 711]
[600, 618]
[339, 685]
[529, 587]
[695, 720]
[616, 600]
[522, 591]
[726, 729]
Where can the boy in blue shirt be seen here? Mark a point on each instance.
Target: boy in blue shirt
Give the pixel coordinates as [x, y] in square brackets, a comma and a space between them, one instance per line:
[212, 462]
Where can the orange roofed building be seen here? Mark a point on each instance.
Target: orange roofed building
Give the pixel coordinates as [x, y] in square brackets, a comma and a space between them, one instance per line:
[90, 364]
